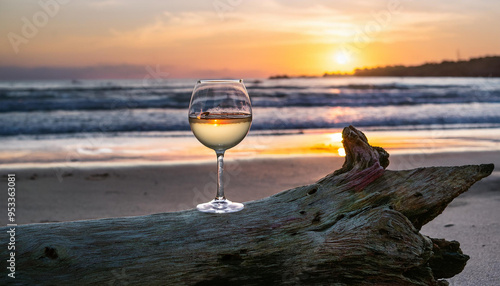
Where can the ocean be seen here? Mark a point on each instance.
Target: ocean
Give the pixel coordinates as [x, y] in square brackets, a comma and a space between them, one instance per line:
[38, 114]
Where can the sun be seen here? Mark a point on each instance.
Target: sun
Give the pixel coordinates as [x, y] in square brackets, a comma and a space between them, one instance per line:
[342, 58]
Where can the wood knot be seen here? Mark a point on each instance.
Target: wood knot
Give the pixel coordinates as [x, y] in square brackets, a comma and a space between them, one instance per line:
[312, 191]
[383, 231]
[230, 258]
[50, 252]
[317, 218]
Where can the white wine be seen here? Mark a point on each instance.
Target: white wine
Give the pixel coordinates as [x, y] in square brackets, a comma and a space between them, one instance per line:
[220, 131]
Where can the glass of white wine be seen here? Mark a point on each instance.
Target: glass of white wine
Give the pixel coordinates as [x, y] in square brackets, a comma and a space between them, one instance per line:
[220, 115]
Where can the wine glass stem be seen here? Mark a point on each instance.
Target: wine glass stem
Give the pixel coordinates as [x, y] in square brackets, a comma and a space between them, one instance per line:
[220, 169]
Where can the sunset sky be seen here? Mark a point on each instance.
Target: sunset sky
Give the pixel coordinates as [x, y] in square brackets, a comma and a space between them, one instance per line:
[237, 38]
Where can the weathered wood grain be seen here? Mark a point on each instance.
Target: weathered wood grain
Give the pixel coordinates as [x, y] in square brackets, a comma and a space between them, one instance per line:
[357, 226]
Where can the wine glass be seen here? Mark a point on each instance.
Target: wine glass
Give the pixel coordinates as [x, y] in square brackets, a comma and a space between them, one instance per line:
[220, 115]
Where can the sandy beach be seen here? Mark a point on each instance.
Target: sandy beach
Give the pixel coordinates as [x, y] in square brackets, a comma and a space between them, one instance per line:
[72, 193]
[52, 195]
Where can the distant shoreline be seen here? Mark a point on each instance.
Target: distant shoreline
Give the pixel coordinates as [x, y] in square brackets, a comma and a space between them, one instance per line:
[475, 67]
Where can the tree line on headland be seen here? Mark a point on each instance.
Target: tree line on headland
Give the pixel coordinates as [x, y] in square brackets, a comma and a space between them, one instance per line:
[475, 67]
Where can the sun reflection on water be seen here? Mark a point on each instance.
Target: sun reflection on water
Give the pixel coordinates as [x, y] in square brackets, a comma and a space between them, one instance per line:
[336, 137]
[341, 152]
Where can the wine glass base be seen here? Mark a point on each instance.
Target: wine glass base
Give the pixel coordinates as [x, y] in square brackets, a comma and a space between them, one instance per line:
[220, 206]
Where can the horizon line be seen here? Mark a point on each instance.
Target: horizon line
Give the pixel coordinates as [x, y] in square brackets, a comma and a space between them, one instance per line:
[135, 71]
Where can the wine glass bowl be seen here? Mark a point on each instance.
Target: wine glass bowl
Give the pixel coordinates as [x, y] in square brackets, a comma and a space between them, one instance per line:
[220, 115]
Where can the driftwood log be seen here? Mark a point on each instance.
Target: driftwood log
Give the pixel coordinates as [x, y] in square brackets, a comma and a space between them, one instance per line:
[357, 226]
